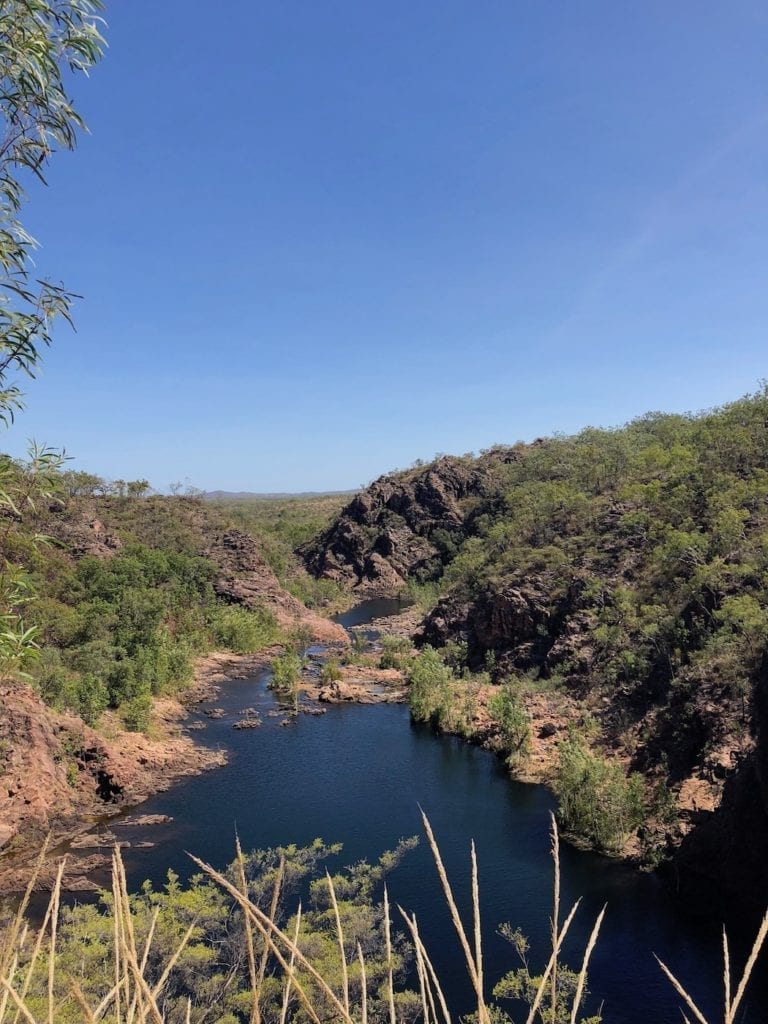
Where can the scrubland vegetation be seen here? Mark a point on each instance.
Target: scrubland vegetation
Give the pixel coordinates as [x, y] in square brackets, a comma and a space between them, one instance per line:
[114, 632]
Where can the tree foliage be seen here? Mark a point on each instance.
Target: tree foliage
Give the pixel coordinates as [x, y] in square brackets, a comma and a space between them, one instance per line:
[597, 801]
[42, 42]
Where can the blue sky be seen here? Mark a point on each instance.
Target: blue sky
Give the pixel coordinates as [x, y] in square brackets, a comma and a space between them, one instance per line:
[317, 241]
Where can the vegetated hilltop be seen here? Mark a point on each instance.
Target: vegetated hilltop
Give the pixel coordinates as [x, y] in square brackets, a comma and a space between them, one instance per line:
[406, 526]
[129, 592]
[627, 569]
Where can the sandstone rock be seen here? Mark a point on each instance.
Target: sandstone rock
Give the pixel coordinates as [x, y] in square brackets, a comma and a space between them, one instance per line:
[393, 529]
[143, 819]
[246, 579]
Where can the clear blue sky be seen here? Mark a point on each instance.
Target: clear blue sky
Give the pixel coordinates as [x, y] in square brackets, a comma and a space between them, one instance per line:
[319, 240]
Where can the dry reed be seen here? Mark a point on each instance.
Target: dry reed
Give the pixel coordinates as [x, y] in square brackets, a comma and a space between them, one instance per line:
[137, 997]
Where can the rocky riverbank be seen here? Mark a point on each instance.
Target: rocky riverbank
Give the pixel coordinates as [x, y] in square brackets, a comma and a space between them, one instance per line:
[66, 782]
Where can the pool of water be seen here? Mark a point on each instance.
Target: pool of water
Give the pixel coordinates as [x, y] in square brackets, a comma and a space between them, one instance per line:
[358, 774]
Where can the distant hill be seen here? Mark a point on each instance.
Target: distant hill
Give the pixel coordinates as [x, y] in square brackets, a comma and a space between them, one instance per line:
[269, 495]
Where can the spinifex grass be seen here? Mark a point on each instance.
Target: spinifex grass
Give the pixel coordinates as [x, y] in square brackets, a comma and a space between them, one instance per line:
[283, 982]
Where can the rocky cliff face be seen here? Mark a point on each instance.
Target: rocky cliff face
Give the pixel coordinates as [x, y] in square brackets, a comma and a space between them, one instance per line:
[723, 858]
[245, 578]
[56, 773]
[403, 526]
[673, 715]
[696, 737]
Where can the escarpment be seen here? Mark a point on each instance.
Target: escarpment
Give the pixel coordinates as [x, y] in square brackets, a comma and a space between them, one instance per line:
[405, 525]
[57, 773]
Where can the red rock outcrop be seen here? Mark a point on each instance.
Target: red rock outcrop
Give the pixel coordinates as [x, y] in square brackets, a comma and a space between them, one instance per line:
[402, 525]
[245, 578]
[56, 773]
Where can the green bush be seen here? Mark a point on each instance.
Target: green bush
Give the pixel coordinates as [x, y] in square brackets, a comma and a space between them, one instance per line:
[137, 712]
[285, 671]
[597, 801]
[513, 723]
[243, 631]
[393, 650]
[331, 671]
[430, 685]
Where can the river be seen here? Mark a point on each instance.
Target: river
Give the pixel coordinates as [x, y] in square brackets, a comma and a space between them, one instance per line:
[358, 774]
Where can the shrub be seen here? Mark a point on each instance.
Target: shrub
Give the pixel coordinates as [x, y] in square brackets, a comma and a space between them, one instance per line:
[394, 647]
[331, 671]
[430, 681]
[137, 712]
[513, 723]
[285, 671]
[244, 631]
[598, 802]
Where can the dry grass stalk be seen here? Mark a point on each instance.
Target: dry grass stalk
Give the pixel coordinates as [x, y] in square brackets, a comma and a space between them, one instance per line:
[270, 931]
[81, 1001]
[276, 890]
[482, 1010]
[682, 992]
[422, 961]
[476, 922]
[289, 975]
[390, 973]
[340, 937]
[364, 986]
[32, 963]
[581, 983]
[55, 904]
[555, 922]
[425, 1016]
[752, 960]
[727, 976]
[731, 1006]
[4, 994]
[174, 960]
[413, 928]
[255, 1012]
[17, 1000]
[116, 951]
[550, 964]
[11, 944]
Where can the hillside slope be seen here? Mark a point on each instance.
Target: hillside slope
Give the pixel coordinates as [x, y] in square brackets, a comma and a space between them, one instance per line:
[130, 594]
[626, 568]
[405, 525]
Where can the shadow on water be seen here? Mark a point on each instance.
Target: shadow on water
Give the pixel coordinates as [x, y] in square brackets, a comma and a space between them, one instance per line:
[367, 611]
[357, 775]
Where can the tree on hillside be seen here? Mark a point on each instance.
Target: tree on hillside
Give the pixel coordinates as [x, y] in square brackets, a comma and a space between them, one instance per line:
[42, 43]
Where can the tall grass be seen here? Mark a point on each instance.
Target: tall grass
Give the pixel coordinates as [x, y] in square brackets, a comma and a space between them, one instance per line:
[32, 990]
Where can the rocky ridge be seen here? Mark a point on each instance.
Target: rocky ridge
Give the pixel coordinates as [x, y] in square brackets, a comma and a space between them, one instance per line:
[246, 579]
[692, 733]
[403, 525]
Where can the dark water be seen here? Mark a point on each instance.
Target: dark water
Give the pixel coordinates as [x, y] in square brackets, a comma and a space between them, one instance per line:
[357, 775]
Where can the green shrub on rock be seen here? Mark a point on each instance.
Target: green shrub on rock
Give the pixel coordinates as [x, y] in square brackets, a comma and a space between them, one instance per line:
[597, 801]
